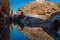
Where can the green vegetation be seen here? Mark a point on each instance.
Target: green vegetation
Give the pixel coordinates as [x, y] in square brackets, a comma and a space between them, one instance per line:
[58, 3]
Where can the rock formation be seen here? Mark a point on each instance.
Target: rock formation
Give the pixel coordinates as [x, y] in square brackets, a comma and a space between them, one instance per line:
[4, 5]
[42, 11]
[40, 1]
[38, 10]
[4, 8]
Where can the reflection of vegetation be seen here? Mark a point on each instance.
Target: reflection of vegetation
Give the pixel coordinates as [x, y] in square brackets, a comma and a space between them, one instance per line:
[58, 3]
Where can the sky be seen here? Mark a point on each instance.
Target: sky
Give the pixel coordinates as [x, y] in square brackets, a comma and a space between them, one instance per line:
[15, 4]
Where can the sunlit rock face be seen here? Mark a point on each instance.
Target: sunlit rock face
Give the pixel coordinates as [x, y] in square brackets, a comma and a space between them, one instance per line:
[41, 10]
[19, 12]
[4, 8]
[11, 13]
[40, 1]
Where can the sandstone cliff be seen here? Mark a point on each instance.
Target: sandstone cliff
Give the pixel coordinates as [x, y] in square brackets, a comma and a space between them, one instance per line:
[38, 10]
[42, 11]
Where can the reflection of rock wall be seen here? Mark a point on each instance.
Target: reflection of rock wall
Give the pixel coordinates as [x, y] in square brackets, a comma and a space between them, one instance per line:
[5, 34]
[35, 34]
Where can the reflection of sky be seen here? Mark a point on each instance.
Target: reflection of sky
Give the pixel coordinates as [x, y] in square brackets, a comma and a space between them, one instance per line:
[15, 4]
[14, 35]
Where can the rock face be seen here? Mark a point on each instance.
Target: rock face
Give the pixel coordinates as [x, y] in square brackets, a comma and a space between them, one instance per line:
[4, 5]
[40, 1]
[4, 8]
[38, 10]
[42, 11]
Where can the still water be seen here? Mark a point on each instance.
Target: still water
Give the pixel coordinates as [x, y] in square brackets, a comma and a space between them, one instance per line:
[15, 35]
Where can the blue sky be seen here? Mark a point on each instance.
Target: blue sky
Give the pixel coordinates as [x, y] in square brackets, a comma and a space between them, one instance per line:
[15, 4]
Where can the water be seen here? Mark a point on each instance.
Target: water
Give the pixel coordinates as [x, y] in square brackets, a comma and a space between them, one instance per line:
[15, 35]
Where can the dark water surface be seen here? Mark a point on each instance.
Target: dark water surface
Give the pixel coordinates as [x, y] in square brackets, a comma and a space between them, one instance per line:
[15, 35]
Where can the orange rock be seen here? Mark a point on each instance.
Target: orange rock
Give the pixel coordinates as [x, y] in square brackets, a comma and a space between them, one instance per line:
[38, 9]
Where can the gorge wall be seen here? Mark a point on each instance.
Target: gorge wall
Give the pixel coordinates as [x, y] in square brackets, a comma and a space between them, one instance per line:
[5, 5]
[41, 10]
[4, 8]
[37, 10]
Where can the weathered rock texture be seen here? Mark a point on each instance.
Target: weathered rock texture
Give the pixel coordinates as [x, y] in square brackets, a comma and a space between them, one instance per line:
[42, 11]
[38, 10]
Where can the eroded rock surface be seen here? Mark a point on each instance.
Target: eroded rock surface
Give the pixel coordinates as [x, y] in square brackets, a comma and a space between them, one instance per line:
[37, 10]
[42, 11]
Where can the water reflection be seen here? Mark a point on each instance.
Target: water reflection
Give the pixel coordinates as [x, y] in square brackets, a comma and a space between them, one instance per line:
[14, 35]
[48, 25]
